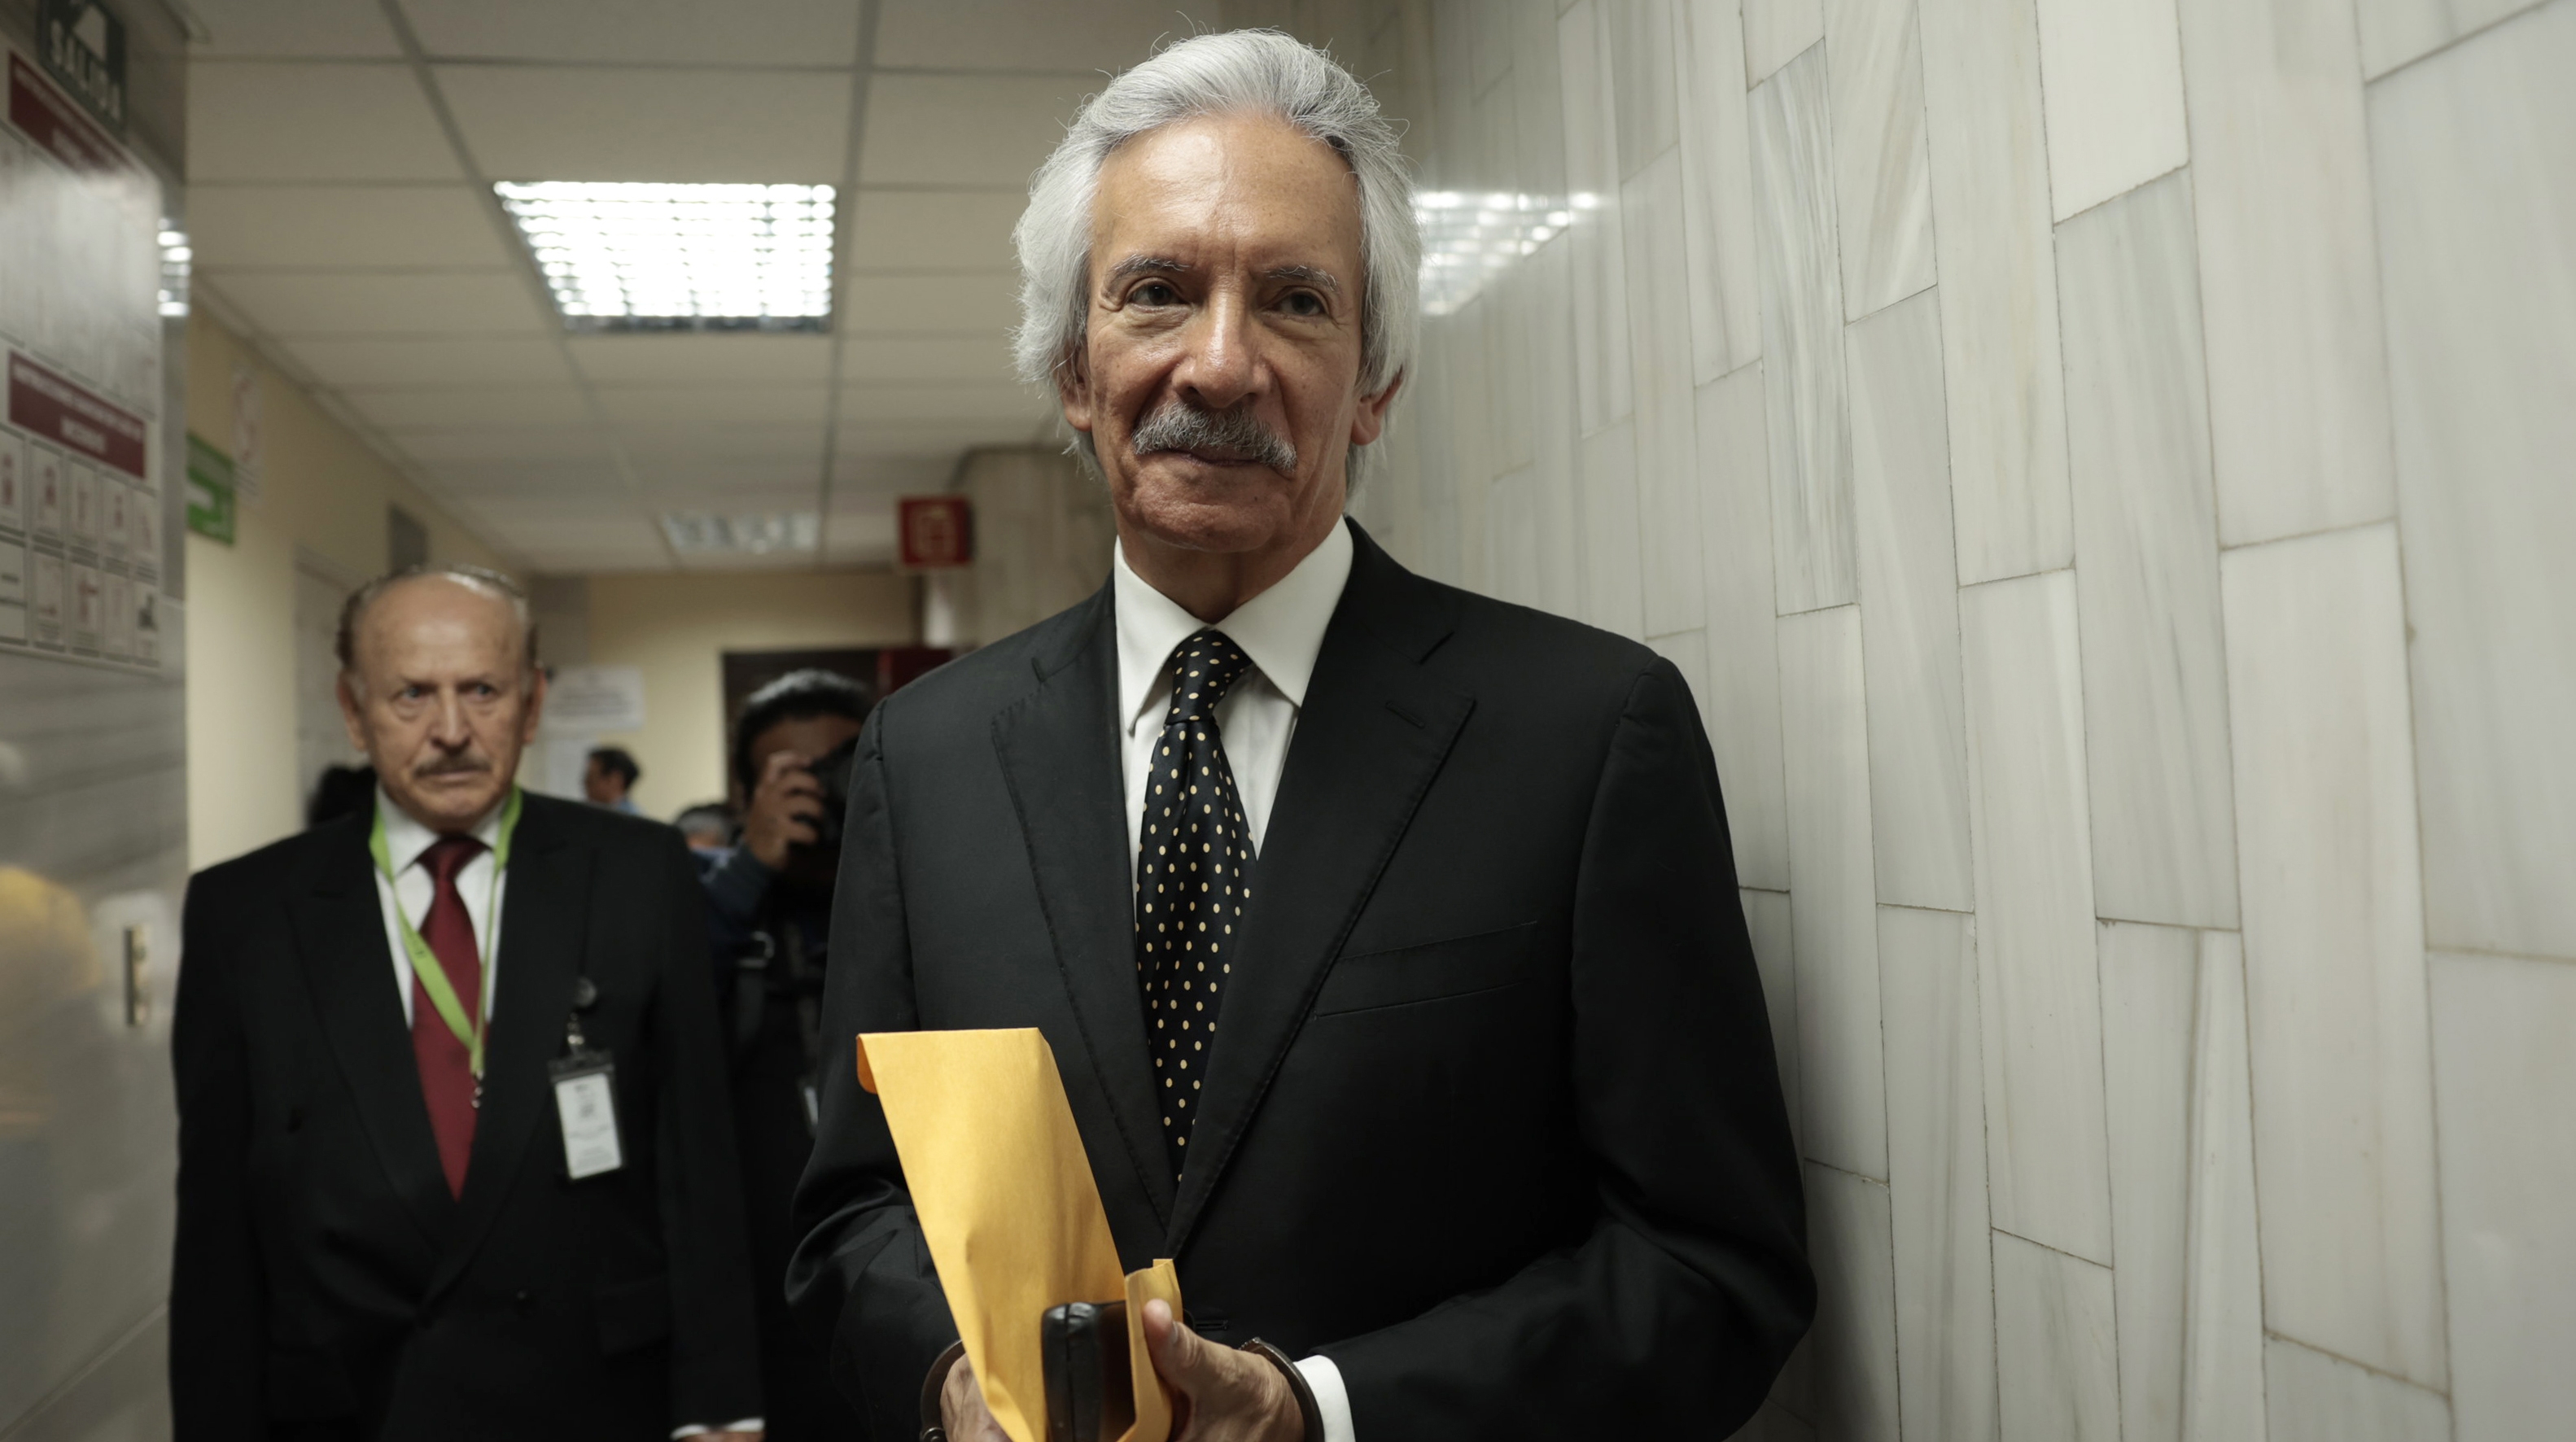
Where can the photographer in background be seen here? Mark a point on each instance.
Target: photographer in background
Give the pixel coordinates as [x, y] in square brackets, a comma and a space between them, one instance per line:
[769, 901]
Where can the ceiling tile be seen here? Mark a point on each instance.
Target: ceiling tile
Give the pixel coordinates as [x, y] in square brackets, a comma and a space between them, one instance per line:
[1010, 404]
[667, 32]
[251, 120]
[873, 477]
[877, 443]
[480, 360]
[1015, 35]
[978, 305]
[470, 407]
[959, 130]
[329, 28]
[926, 358]
[678, 358]
[434, 448]
[533, 122]
[470, 479]
[725, 442]
[934, 229]
[714, 405]
[309, 304]
[728, 473]
[373, 227]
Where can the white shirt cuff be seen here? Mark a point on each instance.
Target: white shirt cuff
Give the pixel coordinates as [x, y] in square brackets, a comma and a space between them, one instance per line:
[1331, 1397]
[756, 1424]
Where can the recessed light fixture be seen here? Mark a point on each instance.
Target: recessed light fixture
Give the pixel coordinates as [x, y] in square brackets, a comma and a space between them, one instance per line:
[177, 259]
[1468, 239]
[622, 256]
[698, 533]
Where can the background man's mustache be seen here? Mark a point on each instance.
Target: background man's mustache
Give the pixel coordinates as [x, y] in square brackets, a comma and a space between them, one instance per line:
[1176, 425]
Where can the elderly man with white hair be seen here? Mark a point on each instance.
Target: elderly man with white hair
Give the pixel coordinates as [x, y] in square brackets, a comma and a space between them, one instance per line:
[1386, 936]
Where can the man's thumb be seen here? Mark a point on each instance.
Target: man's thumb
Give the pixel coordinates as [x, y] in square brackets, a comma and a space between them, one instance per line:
[1180, 1354]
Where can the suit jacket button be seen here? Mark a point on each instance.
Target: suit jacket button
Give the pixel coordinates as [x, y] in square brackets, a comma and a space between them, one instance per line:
[524, 1302]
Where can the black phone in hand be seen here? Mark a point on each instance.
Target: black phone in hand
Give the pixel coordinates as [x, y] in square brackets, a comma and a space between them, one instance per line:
[1090, 1394]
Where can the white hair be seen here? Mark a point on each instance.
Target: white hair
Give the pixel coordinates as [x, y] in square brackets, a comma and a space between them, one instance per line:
[1237, 71]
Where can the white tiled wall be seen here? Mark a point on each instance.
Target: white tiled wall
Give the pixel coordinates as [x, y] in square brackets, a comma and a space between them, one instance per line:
[2108, 470]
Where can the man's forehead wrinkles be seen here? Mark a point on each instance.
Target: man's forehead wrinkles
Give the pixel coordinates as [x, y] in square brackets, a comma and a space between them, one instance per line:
[1149, 265]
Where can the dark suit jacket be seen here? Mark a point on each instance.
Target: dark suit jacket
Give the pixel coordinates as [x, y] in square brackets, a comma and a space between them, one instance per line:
[326, 1282]
[1495, 1122]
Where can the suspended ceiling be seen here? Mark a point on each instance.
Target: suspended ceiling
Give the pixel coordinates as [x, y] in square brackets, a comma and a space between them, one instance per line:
[340, 158]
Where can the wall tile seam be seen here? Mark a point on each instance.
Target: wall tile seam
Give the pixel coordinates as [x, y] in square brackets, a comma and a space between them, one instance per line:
[2455, 42]
[2489, 953]
[2275, 1334]
[1968, 912]
[2106, 200]
[1880, 1182]
[2415, 790]
[2045, 1247]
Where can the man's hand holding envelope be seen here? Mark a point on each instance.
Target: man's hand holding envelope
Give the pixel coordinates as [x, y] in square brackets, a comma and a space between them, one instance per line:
[1004, 1193]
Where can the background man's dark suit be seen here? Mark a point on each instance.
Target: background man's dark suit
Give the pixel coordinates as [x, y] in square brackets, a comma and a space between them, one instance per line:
[328, 1285]
[1493, 1120]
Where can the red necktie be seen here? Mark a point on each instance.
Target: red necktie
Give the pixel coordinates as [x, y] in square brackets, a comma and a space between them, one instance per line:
[446, 1068]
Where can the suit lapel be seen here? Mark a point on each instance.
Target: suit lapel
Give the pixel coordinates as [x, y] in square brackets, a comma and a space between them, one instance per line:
[543, 914]
[340, 937]
[1059, 753]
[1374, 731]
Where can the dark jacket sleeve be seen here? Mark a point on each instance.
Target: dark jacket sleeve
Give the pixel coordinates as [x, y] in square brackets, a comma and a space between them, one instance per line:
[863, 1274]
[1672, 1317]
[715, 1354]
[218, 1303]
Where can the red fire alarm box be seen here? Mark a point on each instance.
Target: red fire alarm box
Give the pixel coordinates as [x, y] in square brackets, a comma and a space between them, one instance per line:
[936, 533]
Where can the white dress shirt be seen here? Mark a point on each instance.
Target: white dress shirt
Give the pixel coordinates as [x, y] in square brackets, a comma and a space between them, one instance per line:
[412, 890]
[1282, 630]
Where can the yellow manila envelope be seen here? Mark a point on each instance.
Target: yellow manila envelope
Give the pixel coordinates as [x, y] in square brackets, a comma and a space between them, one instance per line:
[1006, 1201]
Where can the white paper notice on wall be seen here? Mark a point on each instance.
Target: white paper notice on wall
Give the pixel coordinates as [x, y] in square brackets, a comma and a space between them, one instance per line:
[595, 698]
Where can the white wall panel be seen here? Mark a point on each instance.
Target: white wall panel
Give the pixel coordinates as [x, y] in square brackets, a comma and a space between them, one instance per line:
[2505, 1077]
[1802, 338]
[1743, 704]
[1936, 1175]
[2334, 948]
[2049, 1165]
[1918, 772]
[2481, 283]
[2298, 374]
[1832, 897]
[1981, 95]
[2146, 548]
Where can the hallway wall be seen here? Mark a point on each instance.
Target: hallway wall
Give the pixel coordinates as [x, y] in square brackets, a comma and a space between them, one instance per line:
[2103, 468]
[676, 629]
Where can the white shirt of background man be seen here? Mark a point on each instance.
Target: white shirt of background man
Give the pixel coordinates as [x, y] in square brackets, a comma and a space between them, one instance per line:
[413, 888]
[1282, 630]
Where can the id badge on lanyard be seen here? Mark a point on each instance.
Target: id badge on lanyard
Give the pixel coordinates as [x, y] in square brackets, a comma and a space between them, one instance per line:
[585, 1082]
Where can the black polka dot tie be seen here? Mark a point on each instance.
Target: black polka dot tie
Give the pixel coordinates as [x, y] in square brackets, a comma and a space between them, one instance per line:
[1191, 881]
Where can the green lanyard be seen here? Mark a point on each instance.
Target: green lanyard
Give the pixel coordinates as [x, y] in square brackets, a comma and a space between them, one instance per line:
[424, 962]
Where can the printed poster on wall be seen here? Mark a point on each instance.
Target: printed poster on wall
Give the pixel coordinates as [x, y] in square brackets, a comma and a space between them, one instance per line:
[80, 366]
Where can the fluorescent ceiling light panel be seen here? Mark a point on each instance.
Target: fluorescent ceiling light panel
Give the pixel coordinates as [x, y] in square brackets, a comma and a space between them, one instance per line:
[696, 533]
[680, 257]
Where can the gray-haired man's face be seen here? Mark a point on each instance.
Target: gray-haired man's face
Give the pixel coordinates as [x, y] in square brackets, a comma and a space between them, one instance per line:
[1220, 374]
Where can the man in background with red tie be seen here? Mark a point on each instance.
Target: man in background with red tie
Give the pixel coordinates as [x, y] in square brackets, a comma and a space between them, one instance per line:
[455, 1148]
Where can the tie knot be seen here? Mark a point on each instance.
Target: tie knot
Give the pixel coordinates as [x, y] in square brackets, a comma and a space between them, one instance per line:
[448, 855]
[1204, 668]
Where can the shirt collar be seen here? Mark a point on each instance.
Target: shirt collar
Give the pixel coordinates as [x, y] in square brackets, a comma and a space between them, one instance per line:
[406, 839]
[1282, 629]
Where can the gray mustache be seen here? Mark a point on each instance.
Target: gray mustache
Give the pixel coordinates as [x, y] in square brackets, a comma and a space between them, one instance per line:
[453, 766]
[1176, 425]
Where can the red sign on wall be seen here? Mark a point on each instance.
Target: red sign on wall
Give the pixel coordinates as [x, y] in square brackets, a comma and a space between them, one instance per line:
[56, 409]
[48, 118]
[934, 533]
